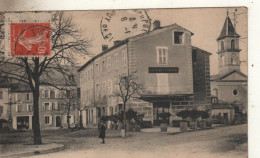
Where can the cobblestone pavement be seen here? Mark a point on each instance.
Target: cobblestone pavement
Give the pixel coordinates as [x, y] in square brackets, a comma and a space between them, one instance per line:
[221, 142]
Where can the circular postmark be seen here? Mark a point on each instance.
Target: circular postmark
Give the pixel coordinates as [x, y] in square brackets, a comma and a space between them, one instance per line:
[121, 24]
[31, 39]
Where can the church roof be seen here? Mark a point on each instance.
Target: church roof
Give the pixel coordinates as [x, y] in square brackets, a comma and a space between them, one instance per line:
[228, 30]
[220, 77]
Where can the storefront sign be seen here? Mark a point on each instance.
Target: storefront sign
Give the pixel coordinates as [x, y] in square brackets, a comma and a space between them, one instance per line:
[163, 69]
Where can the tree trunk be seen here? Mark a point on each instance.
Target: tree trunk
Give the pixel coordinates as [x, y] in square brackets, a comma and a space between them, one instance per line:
[80, 119]
[68, 119]
[36, 120]
[124, 118]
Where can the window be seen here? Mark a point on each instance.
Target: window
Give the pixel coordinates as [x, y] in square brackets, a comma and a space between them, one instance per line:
[29, 107]
[46, 94]
[68, 93]
[162, 55]
[1, 110]
[109, 87]
[234, 59]
[97, 69]
[178, 37]
[108, 63]
[1, 94]
[215, 92]
[56, 106]
[52, 94]
[78, 92]
[100, 68]
[111, 110]
[124, 55]
[47, 119]
[103, 66]
[235, 92]
[71, 78]
[18, 108]
[116, 60]
[97, 88]
[88, 74]
[27, 96]
[233, 44]
[46, 106]
[91, 73]
[222, 58]
[222, 45]
[104, 88]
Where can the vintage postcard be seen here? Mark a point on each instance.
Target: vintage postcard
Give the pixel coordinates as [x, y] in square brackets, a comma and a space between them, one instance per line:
[124, 83]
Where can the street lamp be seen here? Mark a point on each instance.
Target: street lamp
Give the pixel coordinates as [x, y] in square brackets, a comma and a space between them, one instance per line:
[10, 103]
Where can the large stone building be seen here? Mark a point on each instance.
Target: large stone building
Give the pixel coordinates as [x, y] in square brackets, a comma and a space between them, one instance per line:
[175, 75]
[53, 104]
[229, 86]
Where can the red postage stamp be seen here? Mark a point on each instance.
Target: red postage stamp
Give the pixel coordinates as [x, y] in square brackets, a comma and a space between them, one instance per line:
[30, 39]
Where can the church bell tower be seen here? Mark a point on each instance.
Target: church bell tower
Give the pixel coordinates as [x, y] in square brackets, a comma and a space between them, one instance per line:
[228, 48]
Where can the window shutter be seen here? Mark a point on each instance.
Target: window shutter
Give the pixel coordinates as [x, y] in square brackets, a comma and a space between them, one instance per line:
[50, 119]
[50, 105]
[43, 94]
[71, 119]
[27, 107]
[43, 107]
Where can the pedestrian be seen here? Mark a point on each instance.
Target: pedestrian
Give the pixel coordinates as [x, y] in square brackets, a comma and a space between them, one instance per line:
[102, 130]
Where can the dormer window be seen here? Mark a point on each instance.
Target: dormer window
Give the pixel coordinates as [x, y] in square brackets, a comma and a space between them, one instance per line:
[178, 37]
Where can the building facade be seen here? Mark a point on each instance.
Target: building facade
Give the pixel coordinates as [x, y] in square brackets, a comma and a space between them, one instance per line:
[229, 86]
[174, 74]
[52, 108]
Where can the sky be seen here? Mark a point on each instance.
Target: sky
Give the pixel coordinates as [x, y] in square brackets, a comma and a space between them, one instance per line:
[205, 23]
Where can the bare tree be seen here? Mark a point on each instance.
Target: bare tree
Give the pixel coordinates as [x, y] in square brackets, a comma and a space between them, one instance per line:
[128, 89]
[70, 102]
[68, 43]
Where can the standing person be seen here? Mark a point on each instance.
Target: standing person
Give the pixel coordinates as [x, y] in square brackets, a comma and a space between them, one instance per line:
[102, 130]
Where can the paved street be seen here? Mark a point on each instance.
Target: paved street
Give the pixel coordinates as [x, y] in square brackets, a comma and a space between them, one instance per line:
[220, 142]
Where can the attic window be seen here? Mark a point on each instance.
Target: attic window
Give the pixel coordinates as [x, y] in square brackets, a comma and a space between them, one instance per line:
[178, 37]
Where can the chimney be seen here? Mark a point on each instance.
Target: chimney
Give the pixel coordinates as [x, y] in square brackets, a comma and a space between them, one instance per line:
[156, 24]
[104, 47]
[117, 42]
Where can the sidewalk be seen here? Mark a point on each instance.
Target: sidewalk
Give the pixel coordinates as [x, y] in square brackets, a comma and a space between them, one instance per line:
[21, 150]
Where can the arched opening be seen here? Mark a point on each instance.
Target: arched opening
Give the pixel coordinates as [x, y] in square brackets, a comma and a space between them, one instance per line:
[234, 59]
[222, 45]
[233, 44]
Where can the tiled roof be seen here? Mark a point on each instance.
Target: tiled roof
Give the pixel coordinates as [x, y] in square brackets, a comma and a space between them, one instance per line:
[222, 76]
[228, 30]
[201, 50]
[221, 106]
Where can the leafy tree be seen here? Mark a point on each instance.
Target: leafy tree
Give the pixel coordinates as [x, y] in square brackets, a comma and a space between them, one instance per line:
[68, 43]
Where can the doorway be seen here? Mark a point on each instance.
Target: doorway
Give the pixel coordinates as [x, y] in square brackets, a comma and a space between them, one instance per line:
[158, 108]
[23, 122]
[58, 121]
